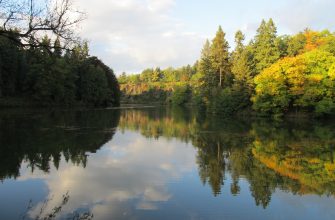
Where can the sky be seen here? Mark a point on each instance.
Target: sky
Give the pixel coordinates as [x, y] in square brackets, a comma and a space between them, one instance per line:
[131, 35]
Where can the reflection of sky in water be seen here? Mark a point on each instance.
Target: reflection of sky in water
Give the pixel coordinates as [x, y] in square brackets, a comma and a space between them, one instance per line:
[132, 177]
[130, 172]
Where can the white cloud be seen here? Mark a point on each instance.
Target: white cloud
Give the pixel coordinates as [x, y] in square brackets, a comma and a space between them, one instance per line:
[298, 15]
[132, 35]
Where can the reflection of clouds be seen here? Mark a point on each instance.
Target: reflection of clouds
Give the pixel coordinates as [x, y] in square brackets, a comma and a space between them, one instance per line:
[128, 173]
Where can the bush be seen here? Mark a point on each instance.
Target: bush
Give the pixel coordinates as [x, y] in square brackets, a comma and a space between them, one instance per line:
[324, 107]
[180, 95]
[227, 102]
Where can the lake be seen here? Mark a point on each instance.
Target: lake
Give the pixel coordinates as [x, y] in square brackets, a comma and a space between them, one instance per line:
[163, 163]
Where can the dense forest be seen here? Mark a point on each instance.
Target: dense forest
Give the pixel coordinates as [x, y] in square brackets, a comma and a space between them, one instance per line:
[271, 75]
[50, 77]
[43, 62]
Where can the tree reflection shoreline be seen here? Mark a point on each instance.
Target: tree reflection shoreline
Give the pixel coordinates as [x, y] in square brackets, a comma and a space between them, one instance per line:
[295, 156]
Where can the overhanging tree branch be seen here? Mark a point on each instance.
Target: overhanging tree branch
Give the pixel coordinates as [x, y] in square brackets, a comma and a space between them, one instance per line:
[26, 21]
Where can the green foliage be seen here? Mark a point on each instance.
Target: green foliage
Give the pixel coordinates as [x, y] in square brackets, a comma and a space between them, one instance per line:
[325, 107]
[226, 102]
[52, 82]
[240, 65]
[48, 78]
[180, 95]
[57, 48]
[219, 57]
[296, 44]
[266, 51]
[12, 67]
[273, 74]
[299, 82]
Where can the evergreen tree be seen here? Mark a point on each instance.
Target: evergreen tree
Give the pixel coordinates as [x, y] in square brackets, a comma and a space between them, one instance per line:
[220, 58]
[46, 42]
[240, 67]
[57, 48]
[266, 50]
[156, 75]
[207, 77]
[243, 81]
[296, 44]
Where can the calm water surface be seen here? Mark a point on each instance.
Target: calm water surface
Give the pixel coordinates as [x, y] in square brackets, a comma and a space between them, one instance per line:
[161, 163]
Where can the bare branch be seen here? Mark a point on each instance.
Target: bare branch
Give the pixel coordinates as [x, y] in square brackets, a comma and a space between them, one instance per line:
[27, 20]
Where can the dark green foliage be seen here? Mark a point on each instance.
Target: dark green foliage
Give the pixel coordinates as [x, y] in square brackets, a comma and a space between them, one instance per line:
[180, 95]
[266, 48]
[227, 102]
[52, 82]
[296, 44]
[325, 107]
[219, 57]
[112, 93]
[92, 86]
[45, 77]
[240, 65]
[57, 48]
[12, 65]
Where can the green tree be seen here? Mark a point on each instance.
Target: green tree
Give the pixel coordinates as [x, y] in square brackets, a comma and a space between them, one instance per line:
[296, 44]
[266, 51]
[156, 75]
[240, 66]
[46, 44]
[57, 48]
[180, 95]
[219, 56]
[302, 82]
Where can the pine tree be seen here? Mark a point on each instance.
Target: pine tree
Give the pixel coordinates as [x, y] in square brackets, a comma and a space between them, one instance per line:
[45, 45]
[265, 47]
[207, 76]
[239, 38]
[57, 48]
[220, 57]
[156, 75]
[240, 67]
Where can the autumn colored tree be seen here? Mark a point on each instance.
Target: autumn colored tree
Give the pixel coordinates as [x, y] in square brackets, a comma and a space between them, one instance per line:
[302, 82]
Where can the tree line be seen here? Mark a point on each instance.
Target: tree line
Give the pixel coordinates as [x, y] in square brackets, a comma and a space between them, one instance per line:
[47, 76]
[44, 62]
[270, 75]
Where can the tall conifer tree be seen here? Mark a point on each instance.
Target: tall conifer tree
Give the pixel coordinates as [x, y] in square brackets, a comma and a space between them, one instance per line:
[265, 48]
[220, 57]
[240, 67]
[57, 48]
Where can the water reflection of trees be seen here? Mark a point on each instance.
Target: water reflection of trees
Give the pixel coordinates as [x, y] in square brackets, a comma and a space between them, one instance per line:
[291, 156]
[42, 138]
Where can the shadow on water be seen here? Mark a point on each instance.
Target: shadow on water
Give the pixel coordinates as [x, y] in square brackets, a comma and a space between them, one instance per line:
[42, 138]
